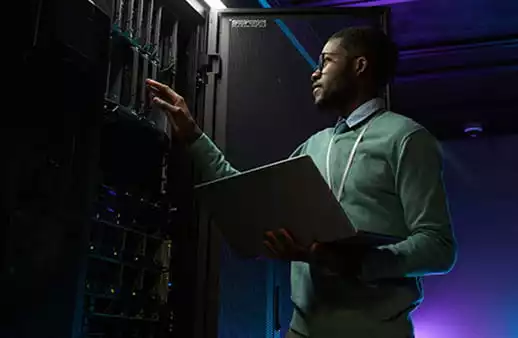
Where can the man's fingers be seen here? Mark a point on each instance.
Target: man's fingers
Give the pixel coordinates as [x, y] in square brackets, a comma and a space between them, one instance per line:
[287, 236]
[162, 90]
[161, 103]
[156, 85]
[281, 245]
[158, 91]
[314, 247]
[273, 252]
[171, 111]
[165, 94]
[276, 242]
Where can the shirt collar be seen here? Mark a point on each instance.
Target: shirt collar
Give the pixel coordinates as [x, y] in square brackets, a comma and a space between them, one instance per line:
[363, 111]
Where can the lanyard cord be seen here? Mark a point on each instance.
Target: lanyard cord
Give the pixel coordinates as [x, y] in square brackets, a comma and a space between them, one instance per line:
[349, 161]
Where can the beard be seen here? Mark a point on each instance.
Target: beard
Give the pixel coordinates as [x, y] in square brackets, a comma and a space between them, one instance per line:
[337, 93]
[335, 98]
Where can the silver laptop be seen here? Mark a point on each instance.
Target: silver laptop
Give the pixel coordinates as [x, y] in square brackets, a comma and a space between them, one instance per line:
[289, 194]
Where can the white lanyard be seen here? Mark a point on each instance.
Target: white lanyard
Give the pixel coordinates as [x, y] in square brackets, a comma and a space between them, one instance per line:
[349, 161]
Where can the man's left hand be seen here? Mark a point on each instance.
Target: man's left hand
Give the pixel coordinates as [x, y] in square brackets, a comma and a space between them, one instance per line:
[332, 258]
[281, 245]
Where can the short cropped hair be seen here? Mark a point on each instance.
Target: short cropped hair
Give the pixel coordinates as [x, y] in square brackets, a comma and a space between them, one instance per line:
[380, 51]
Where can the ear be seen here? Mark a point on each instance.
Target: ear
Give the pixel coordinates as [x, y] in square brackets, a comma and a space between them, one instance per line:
[361, 65]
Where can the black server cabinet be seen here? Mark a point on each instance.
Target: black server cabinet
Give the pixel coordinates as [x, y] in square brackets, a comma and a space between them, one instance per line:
[49, 153]
[101, 238]
[140, 276]
[260, 105]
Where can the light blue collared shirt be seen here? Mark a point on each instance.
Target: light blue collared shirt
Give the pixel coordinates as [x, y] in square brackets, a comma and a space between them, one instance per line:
[361, 113]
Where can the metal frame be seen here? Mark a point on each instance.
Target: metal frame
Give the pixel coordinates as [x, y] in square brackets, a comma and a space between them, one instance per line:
[209, 243]
[134, 79]
[143, 92]
[137, 29]
[117, 13]
[201, 221]
[149, 22]
[155, 37]
[127, 24]
[192, 11]
[199, 6]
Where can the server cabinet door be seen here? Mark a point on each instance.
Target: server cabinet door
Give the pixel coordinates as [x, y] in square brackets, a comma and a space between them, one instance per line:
[260, 106]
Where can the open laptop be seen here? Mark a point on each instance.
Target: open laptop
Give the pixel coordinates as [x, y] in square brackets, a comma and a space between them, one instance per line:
[290, 194]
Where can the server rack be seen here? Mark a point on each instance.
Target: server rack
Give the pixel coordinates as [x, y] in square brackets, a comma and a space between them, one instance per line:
[140, 274]
[101, 236]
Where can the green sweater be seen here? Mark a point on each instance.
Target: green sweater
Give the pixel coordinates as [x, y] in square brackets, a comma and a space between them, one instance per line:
[394, 187]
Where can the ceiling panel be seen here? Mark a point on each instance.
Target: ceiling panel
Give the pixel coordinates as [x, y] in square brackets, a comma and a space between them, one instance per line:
[428, 22]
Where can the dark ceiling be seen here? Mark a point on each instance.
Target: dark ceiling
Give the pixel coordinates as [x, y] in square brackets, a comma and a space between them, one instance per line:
[458, 61]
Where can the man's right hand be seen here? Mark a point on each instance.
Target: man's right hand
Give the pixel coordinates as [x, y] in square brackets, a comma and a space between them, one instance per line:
[165, 98]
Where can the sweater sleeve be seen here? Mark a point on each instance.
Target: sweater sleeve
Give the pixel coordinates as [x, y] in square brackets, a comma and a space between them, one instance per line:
[431, 247]
[209, 160]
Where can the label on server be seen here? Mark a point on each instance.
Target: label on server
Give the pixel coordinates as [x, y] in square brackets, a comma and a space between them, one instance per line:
[249, 23]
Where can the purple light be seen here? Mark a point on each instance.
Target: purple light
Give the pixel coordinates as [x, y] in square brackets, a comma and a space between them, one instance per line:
[351, 3]
[110, 209]
[374, 3]
[109, 190]
[473, 129]
[438, 325]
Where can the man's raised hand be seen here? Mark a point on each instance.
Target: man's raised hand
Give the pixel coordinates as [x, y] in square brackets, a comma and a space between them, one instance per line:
[175, 107]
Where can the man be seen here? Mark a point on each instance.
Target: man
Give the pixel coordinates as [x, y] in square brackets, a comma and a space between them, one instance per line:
[385, 170]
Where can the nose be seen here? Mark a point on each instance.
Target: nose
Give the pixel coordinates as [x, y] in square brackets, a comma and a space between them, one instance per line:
[316, 75]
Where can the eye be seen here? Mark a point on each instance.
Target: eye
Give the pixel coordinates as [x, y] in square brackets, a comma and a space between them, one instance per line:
[322, 62]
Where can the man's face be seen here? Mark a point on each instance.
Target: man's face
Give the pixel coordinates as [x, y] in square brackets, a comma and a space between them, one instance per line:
[335, 83]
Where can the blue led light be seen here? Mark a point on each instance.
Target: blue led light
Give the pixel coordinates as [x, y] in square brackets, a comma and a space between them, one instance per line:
[109, 190]
[289, 34]
[293, 39]
[264, 4]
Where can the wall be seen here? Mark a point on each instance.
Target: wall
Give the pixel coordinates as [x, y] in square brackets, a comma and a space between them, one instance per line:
[479, 298]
